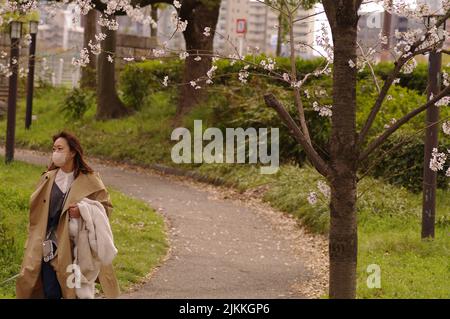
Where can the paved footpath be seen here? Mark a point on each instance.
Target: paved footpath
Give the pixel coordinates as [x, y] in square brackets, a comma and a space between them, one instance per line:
[220, 247]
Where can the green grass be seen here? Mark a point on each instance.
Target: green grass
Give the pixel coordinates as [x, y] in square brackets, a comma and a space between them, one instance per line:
[389, 217]
[125, 139]
[139, 232]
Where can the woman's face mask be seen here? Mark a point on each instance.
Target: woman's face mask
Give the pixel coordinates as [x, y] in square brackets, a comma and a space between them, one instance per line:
[59, 158]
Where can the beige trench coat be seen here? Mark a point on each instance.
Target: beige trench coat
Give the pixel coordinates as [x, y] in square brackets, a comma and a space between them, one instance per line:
[29, 283]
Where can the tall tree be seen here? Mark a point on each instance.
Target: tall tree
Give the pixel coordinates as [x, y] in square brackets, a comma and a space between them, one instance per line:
[343, 19]
[348, 147]
[108, 103]
[154, 15]
[199, 14]
[88, 73]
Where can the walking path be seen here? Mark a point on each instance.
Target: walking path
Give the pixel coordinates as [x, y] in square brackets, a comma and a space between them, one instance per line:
[223, 244]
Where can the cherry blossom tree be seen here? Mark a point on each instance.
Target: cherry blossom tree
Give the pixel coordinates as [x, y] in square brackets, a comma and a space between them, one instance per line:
[191, 19]
[348, 146]
[343, 56]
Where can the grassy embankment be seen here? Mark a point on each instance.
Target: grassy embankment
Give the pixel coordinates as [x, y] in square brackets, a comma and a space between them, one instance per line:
[388, 216]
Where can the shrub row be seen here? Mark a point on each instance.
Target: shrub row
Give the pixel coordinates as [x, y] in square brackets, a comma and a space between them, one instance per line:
[237, 106]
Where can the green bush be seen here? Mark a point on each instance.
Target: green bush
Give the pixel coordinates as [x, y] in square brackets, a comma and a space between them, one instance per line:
[139, 80]
[231, 104]
[399, 161]
[77, 103]
[403, 101]
[417, 80]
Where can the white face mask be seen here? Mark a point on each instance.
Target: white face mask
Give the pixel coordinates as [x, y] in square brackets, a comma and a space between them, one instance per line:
[59, 158]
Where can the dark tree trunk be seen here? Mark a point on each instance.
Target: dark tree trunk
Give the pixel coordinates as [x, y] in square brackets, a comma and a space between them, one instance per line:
[88, 73]
[198, 16]
[108, 103]
[343, 158]
[279, 33]
[154, 15]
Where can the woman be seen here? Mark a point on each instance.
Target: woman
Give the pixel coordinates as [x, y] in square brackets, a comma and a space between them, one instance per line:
[47, 270]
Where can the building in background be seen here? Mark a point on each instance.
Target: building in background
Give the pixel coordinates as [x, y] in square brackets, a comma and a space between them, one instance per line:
[370, 26]
[262, 22]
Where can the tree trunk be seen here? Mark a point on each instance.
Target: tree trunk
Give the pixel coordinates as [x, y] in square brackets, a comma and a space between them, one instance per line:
[199, 17]
[108, 103]
[154, 15]
[279, 33]
[343, 160]
[88, 76]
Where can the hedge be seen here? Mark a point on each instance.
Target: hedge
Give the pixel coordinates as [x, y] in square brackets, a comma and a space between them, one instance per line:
[242, 106]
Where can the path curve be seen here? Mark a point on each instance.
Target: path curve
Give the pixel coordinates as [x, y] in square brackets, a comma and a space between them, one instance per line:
[221, 247]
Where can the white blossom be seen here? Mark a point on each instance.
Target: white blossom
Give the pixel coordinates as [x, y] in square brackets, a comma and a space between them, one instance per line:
[324, 110]
[84, 6]
[307, 94]
[446, 127]
[178, 24]
[391, 122]
[207, 31]
[437, 160]
[210, 72]
[166, 80]
[83, 60]
[351, 64]
[184, 55]
[409, 66]
[111, 24]
[312, 198]
[197, 58]
[177, 4]
[297, 84]
[445, 79]
[268, 64]
[443, 101]
[100, 37]
[95, 48]
[158, 52]
[324, 188]
[243, 75]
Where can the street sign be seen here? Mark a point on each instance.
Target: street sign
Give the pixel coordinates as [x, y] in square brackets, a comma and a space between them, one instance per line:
[241, 25]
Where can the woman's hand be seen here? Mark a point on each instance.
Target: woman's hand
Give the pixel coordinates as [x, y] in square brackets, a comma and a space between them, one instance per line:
[74, 211]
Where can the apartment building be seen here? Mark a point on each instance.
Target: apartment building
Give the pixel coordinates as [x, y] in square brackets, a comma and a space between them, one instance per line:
[261, 32]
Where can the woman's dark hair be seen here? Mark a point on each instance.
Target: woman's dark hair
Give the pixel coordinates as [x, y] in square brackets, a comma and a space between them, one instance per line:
[79, 163]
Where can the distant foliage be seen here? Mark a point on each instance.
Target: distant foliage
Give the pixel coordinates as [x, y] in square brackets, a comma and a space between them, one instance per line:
[231, 104]
[76, 104]
[400, 162]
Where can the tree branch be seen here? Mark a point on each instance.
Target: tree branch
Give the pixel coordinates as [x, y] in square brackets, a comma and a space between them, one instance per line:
[380, 139]
[313, 156]
[372, 71]
[388, 83]
[297, 98]
[378, 103]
